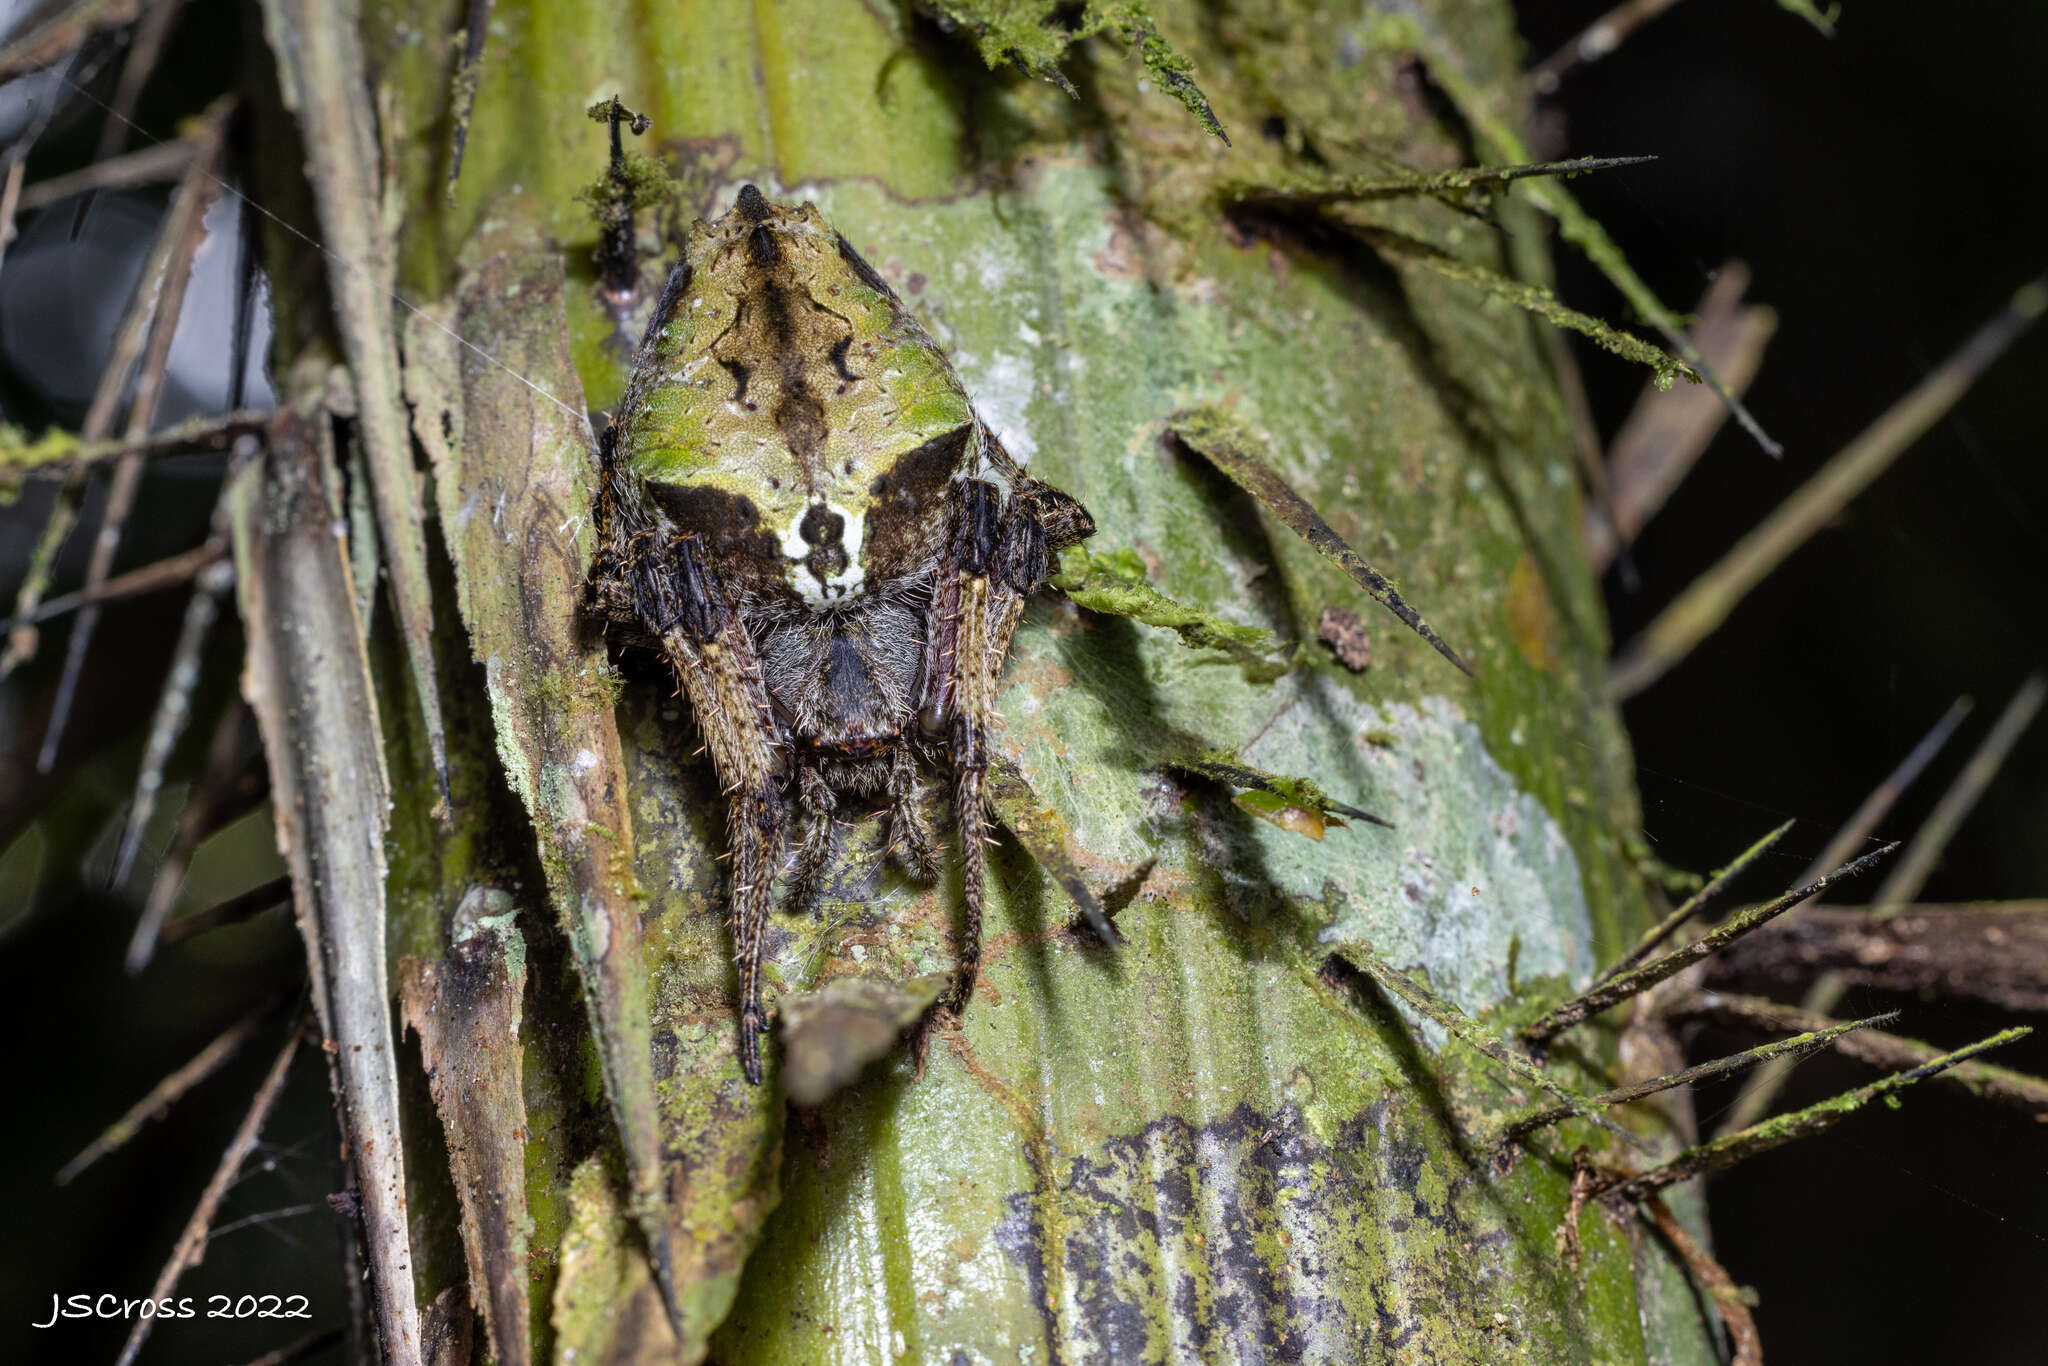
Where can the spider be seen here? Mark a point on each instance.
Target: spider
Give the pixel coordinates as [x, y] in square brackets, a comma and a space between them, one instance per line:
[799, 509]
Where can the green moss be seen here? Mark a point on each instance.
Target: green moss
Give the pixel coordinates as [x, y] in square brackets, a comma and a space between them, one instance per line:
[1034, 36]
[640, 182]
[19, 454]
[1115, 584]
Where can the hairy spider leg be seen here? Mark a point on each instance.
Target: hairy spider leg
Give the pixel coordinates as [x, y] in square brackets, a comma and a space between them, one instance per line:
[817, 804]
[1000, 554]
[653, 581]
[908, 831]
[713, 655]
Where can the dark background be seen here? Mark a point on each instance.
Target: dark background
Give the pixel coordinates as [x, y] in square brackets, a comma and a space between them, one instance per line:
[1869, 181]
[1881, 187]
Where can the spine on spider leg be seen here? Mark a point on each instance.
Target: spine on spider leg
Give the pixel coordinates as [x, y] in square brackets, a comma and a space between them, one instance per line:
[818, 806]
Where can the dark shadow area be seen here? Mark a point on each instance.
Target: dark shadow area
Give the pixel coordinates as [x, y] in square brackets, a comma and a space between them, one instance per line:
[1864, 179]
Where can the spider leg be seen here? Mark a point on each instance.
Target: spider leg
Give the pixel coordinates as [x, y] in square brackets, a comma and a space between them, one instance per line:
[817, 803]
[908, 830]
[999, 555]
[651, 580]
[705, 641]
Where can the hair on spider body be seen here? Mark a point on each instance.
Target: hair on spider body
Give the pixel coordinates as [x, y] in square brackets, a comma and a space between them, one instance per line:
[800, 511]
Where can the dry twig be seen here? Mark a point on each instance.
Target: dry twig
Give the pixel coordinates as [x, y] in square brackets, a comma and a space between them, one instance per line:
[193, 1239]
[144, 166]
[167, 1092]
[1994, 952]
[154, 577]
[228, 788]
[1714, 1279]
[183, 231]
[1704, 605]
[247, 905]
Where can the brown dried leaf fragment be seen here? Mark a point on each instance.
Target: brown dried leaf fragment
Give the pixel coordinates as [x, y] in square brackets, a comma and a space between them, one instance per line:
[466, 1010]
[1343, 630]
[830, 1035]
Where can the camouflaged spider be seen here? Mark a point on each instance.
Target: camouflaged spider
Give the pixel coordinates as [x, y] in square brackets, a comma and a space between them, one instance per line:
[799, 509]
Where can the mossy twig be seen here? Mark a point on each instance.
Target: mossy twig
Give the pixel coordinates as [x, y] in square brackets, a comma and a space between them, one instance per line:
[166, 1093]
[1498, 141]
[2001, 1085]
[1116, 584]
[1461, 1027]
[1641, 979]
[1531, 298]
[1664, 928]
[1326, 189]
[1753, 1100]
[1723, 1153]
[72, 453]
[1710, 598]
[1034, 37]
[1788, 1051]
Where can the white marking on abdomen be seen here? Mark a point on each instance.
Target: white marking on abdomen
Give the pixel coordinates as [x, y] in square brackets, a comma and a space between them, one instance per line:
[849, 582]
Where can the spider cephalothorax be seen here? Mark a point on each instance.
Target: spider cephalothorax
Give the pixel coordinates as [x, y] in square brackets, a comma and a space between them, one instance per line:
[800, 510]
